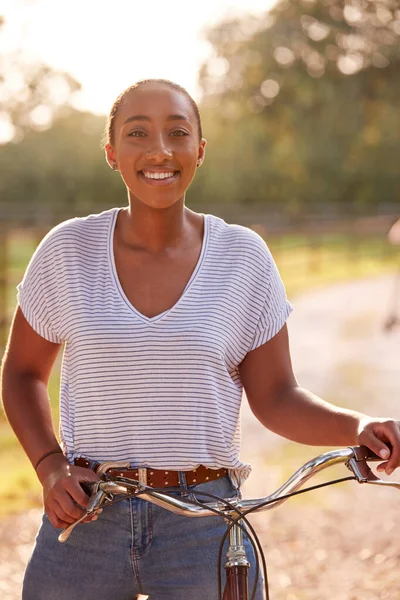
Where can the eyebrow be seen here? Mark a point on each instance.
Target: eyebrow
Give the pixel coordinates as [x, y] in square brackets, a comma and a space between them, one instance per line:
[145, 118]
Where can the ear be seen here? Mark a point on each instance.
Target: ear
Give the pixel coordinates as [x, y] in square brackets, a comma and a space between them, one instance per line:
[202, 152]
[110, 156]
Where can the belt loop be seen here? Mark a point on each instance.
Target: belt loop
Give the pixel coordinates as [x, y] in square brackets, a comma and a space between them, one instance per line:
[183, 483]
[186, 490]
[142, 475]
[93, 464]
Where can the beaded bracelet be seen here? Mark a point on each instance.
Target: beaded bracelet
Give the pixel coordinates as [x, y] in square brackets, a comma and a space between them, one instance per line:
[57, 451]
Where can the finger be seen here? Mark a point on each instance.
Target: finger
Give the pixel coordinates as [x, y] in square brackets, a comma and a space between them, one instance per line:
[75, 489]
[64, 504]
[382, 466]
[63, 515]
[72, 508]
[394, 461]
[376, 445]
[392, 464]
[76, 493]
[93, 517]
[55, 521]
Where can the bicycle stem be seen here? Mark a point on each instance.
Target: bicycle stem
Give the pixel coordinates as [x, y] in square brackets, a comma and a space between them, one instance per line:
[236, 554]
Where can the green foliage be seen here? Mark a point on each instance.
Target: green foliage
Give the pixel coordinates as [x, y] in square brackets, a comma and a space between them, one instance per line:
[301, 107]
[300, 110]
[58, 172]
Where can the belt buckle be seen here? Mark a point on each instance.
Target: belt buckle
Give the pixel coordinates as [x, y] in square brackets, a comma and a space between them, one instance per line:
[142, 476]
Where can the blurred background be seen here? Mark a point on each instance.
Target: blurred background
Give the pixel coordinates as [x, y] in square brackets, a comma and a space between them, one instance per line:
[300, 107]
[299, 101]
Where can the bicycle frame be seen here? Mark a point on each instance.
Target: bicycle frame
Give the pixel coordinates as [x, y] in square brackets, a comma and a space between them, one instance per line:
[237, 565]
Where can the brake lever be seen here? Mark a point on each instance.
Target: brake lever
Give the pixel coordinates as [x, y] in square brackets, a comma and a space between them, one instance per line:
[358, 465]
[95, 501]
[364, 453]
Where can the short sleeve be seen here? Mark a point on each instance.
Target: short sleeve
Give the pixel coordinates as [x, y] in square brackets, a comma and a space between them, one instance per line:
[276, 307]
[37, 293]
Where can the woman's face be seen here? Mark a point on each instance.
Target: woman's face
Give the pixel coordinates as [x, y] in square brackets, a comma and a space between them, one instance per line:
[156, 145]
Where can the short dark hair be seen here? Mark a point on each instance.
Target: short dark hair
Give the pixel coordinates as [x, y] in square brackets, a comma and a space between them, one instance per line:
[109, 130]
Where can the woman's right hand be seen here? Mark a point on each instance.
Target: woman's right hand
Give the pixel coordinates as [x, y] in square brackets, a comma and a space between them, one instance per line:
[63, 497]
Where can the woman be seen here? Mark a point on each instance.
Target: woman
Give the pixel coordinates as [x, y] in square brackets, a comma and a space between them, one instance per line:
[165, 315]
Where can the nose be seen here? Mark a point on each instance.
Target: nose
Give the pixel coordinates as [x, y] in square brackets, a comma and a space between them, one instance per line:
[159, 149]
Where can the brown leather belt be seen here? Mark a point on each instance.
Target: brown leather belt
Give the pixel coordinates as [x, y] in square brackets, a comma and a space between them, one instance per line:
[158, 478]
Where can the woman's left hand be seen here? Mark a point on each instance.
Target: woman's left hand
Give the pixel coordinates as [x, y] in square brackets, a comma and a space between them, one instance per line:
[376, 434]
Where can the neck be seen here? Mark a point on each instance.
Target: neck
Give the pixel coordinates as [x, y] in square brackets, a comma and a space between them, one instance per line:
[155, 230]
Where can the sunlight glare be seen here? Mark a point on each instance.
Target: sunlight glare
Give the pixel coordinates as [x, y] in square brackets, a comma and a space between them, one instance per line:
[107, 46]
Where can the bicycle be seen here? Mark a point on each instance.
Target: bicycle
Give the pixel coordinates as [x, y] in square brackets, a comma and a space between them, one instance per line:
[113, 489]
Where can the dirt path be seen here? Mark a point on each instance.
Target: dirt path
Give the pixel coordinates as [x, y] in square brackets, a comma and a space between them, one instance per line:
[340, 544]
[336, 545]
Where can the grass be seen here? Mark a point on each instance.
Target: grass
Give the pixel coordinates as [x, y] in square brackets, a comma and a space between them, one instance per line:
[303, 267]
[306, 267]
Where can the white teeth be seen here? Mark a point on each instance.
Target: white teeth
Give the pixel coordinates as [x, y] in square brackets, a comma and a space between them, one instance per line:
[157, 175]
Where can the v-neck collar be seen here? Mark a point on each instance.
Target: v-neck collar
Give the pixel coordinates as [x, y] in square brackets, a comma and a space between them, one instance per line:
[189, 284]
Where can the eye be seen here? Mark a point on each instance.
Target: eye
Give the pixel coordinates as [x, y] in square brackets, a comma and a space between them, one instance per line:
[179, 133]
[137, 133]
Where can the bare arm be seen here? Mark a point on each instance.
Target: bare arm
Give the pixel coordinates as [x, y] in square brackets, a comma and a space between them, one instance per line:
[282, 406]
[26, 369]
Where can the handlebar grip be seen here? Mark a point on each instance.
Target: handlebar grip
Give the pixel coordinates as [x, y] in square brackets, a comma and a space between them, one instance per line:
[87, 487]
[368, 454]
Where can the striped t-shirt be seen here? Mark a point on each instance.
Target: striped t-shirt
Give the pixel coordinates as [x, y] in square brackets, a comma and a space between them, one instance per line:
[161, 392]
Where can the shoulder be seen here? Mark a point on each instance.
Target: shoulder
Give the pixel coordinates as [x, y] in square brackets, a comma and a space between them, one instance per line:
[82, 225]
[76, 232]
[239, 240]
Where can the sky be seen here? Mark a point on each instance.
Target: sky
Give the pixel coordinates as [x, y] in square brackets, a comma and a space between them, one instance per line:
[109, 44]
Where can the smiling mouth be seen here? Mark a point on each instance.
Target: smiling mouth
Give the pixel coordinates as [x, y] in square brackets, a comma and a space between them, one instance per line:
[158, 175]
[159, 178]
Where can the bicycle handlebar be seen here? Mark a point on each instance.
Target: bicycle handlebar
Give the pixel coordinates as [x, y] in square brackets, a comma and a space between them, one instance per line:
[355, 458]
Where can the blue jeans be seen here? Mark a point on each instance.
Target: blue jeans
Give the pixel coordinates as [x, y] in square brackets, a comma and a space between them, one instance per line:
[134, 547]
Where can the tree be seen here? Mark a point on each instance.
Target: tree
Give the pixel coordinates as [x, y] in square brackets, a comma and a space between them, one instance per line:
[58, 173]
[32, 94]
[300, 106]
